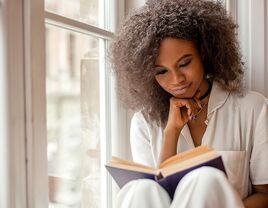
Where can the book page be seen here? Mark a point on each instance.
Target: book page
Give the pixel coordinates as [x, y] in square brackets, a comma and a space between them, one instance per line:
[177, 167]
[185, 156]
[129, 165]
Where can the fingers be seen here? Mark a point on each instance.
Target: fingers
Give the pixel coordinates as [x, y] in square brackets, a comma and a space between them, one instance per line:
[192, 105]
[181, 111]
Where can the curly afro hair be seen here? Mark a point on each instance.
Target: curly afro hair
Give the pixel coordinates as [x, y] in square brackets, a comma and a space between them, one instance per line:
[135, 47]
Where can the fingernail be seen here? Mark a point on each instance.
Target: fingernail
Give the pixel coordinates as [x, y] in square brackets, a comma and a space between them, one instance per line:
[193, 117]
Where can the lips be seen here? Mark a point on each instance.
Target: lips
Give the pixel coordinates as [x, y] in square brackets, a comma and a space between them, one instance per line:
[180, 89]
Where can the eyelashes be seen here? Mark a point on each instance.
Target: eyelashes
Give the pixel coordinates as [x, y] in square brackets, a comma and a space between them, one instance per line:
[160, 71]
[163, 70]
[185, 63]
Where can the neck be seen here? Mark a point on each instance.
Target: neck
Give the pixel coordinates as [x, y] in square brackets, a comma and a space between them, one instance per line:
[202, 97]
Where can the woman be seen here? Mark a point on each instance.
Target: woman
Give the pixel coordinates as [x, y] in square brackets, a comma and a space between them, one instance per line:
[179, 66]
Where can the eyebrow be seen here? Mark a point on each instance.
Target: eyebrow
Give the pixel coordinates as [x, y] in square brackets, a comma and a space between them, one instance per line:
[184, 56]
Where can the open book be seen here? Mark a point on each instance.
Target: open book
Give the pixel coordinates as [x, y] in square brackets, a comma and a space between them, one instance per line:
[170, 171]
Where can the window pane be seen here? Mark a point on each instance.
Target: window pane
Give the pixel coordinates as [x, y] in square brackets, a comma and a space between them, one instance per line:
[87, 11]
[73, 115]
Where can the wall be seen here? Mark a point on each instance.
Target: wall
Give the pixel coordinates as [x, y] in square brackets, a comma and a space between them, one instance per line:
[252, 18]
[130, 4]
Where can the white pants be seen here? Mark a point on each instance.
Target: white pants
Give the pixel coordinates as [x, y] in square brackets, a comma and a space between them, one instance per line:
[204, 187]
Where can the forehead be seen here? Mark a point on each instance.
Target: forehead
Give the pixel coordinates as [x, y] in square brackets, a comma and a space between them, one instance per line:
[172, 48]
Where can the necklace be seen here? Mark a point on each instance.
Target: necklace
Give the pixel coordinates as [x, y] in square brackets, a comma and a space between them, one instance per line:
[194, 117]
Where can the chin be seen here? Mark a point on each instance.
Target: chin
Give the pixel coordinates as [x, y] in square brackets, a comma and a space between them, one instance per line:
[182, 96]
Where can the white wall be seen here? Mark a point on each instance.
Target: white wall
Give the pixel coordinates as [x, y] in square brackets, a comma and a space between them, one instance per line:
[130, 4]
[252, 18]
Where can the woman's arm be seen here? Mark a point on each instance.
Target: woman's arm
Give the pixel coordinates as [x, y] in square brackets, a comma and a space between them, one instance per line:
[259, 198]
[180, 112]
[169, 147]
[140, 141]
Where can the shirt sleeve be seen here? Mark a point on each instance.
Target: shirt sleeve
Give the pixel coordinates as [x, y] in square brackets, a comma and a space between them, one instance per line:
[140, 141]
[259, 155]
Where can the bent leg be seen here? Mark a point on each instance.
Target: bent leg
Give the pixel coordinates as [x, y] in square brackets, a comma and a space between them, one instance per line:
[206, 187]
[143, 193]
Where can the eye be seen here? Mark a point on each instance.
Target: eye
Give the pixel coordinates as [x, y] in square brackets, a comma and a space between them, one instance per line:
[160, 70]
[185, 62]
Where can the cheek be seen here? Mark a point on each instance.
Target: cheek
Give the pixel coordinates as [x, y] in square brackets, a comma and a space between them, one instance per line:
[201, 69]
[197, 72]
[160, 81]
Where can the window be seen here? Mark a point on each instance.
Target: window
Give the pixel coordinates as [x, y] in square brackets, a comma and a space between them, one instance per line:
[78, 92]
[83, 11]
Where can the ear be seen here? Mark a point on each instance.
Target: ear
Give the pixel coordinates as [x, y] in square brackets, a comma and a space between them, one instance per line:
[208, 77]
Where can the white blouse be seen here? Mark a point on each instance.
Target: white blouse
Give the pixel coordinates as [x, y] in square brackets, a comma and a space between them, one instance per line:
[237, 127]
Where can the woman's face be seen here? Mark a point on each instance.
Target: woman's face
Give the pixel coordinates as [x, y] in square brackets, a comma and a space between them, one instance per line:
[179, 69]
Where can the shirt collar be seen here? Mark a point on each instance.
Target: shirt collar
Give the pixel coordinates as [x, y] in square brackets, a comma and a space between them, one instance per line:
[217, 98]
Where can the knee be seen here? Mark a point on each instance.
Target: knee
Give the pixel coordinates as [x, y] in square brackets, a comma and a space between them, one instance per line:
[212, 175]
[206, 177]
[196, 186]
[142, 192]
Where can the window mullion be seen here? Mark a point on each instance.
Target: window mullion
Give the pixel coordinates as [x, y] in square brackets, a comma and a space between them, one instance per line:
[73, 25]
[35, 111]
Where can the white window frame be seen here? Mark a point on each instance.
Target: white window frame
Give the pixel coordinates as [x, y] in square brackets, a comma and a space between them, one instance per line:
[12, 107]
[23, 142]
[35, 103]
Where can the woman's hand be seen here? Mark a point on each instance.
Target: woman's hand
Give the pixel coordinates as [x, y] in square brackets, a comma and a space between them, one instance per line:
[181, 111]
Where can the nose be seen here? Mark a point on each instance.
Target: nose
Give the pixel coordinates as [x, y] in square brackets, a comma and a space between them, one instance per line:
[177, 77]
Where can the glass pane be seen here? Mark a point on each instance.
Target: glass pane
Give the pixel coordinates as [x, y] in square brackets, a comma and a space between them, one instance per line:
[87, 11]
[73, 115]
